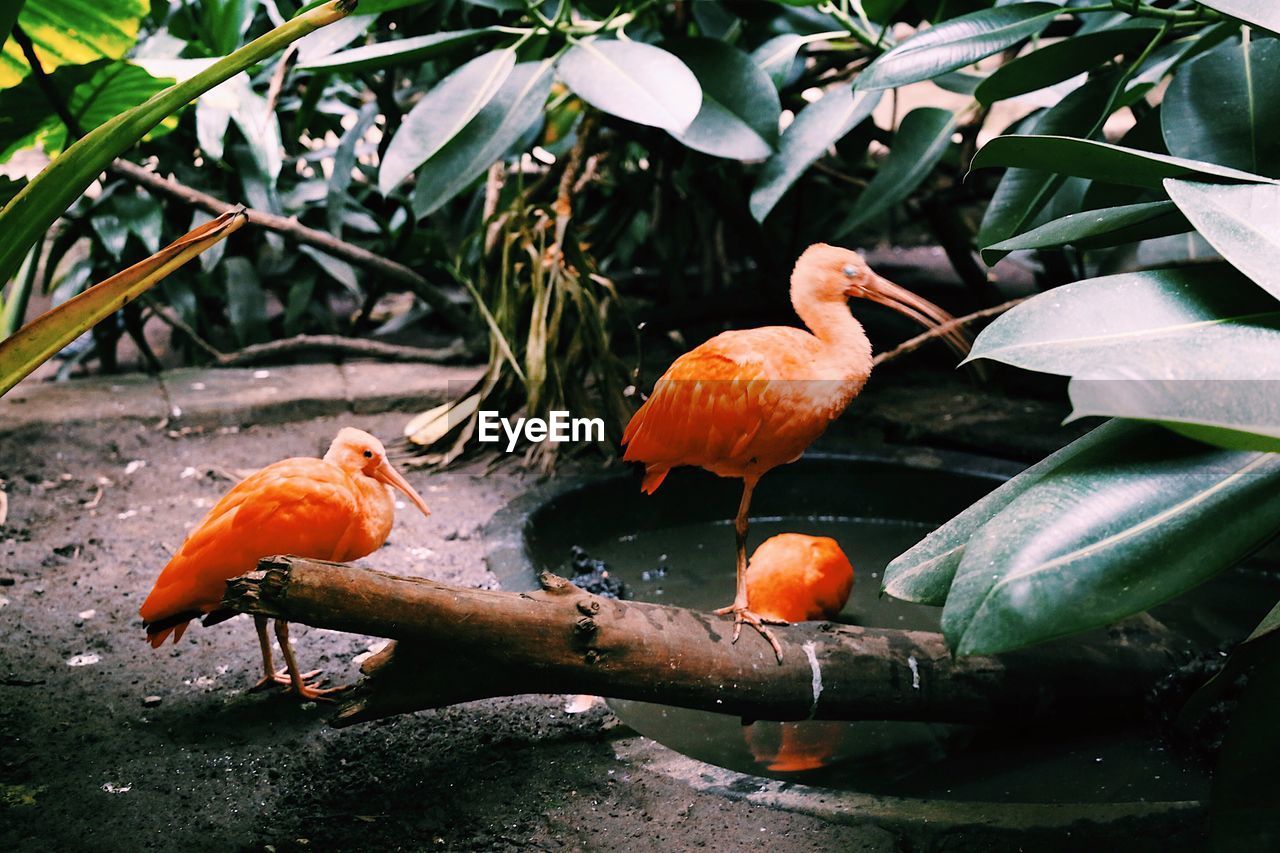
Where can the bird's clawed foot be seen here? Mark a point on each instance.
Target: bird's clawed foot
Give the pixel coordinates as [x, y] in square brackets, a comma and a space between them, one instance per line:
[282, 679]
[312, 693]
[742, 614]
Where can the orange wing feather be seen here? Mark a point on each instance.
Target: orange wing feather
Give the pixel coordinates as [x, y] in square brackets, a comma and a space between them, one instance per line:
[298, 506]
[738, 405]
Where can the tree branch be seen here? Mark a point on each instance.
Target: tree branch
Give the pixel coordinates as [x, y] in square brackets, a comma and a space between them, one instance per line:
[458, 645]
[295, 230]
[913, 344]
[456, 352]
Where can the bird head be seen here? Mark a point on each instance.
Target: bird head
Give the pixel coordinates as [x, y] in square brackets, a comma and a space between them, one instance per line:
[357, 452]
[833, 274]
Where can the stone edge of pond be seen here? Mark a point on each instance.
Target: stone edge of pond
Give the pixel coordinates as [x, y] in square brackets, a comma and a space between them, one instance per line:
[923, 819]
[232, 397]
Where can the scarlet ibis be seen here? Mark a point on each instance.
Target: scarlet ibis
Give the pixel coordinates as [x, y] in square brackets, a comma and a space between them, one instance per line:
[747, 401]
[336, 508]
[792, 577]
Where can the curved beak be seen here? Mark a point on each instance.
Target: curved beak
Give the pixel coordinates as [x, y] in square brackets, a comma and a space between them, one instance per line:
[921, 310]
[386, 473]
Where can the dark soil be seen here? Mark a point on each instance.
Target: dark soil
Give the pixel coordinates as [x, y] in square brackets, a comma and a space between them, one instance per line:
[165, 749]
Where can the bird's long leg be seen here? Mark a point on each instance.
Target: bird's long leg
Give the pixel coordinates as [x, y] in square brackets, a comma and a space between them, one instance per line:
[271, 678]
[741, 612]
[297, 679]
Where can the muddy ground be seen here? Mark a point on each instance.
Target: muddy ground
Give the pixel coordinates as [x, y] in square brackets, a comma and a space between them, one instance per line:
[107, 744]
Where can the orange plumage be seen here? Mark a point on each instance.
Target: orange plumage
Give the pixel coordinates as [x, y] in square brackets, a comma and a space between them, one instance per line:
[747, 401]
[337, 508]
[797, 578]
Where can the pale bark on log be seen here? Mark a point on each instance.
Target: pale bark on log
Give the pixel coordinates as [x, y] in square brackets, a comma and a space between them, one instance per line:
[458, 644]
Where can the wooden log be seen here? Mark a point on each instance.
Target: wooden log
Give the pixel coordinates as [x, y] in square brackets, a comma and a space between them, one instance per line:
[458, 644]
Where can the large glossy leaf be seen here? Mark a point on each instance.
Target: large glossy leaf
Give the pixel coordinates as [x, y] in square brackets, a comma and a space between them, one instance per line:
[634, 81]
[817, 127]
[1100, 161]
[1023, 193]
[1224, 107]
[1239, 414]
[956, 43]
[1093, 229]
[918, 145]
[409, 52]
[93, 93]
[36, 342]
[30, 213]
[1260, 13]
[924, 573]
[1111, 532]
[739, 114]
[1242, 221]
[442, 114]
[1207, 323]
[504, 120]
[70, 32]
[1060, 61]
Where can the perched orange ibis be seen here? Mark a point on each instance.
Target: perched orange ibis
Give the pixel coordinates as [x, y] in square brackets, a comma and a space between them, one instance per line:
[747, 401]
[792, 577]
[337, 508]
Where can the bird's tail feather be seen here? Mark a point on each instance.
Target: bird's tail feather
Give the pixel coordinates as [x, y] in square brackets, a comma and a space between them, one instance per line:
[653, 478]
[159, 630]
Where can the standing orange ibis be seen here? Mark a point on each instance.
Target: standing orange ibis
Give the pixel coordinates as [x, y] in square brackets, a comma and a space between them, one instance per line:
[792, 577]
[747, 401]
[336, 508]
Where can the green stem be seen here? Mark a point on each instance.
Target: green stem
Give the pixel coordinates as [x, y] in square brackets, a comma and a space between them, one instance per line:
[30, 213]
[852, 26]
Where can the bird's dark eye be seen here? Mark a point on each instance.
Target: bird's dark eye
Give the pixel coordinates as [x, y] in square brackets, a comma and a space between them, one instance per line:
[368, 454]
[850, 270]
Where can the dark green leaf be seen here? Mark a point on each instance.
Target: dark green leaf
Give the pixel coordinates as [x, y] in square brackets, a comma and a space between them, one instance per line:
[504, 120]
[1059, 61]
[246, 301]
[1224, 107]
[1240, 221]
[1111, 532]
[442, 114]
[1099, 161]
[777, 56]
[223, 23]
[918, 145]
[956, 43]
[1260, 13]
[1022, 193]
[817, 127]
[1160, 324]
[634, 81]
[1092, 229]
[410, 51]
[959, 82]
[340, 271]
[344, 163]
[739, 114]
[924, 573]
